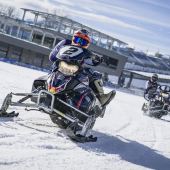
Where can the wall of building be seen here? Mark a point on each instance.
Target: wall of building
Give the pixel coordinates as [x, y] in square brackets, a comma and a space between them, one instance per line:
[11, 49]
[32, 44]
[32, 53]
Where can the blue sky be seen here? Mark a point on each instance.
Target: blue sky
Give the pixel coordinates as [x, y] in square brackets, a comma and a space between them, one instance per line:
[143, 24]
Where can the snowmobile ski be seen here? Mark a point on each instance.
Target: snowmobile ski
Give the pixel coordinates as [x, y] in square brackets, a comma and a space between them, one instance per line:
[71, 133]
[10, 114]
[83, 139]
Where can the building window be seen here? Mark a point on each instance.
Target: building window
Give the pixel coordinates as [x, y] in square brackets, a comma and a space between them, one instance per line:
[3, 54]
[3, 50]
[24, 34]
[2, 26]
[3, 46]
[57, 41]
[37, 38]
[48, 42]
[65, 29]
[95, 38]
[103, 42]
[7, 29]
[15, 53]
[14, 31]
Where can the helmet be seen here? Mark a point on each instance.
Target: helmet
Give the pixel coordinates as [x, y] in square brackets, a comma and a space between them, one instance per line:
[81, 38]
[154, 78]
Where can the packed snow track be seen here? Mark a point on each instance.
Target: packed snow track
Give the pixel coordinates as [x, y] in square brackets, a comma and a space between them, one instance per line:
[127, 140]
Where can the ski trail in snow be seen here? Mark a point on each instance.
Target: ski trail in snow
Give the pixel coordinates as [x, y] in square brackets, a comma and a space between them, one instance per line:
[123, 127]
[127, 140]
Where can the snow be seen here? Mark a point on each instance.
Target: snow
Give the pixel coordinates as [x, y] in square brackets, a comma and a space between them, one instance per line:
[127, 140]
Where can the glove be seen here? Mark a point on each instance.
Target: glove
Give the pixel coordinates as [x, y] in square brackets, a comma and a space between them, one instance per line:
[97, 59]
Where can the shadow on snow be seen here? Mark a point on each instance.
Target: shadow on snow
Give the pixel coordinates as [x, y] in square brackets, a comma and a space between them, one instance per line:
[128, 150]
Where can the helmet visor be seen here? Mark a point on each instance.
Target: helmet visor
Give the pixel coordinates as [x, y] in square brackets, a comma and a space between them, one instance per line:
[154, 79]
[81, 41]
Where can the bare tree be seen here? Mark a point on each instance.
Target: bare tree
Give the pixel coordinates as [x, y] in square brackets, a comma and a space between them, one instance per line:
[9, 11]
[158, 54]
[60, 12]
[2, 9]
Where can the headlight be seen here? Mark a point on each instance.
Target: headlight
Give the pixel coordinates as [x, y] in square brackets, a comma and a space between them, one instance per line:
[165, 95]
[67, 69]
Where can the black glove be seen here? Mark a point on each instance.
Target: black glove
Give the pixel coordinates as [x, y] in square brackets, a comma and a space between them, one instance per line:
[97, 60]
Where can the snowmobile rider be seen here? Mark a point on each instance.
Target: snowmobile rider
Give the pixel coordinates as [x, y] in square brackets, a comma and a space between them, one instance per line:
[81, 39]
[151, 87]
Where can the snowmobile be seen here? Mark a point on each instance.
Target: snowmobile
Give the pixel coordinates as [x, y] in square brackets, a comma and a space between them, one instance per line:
[65, 95]
[159, 105]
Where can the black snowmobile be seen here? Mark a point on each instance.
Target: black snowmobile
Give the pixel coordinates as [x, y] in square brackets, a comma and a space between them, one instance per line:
[66, 96]
[159, 104]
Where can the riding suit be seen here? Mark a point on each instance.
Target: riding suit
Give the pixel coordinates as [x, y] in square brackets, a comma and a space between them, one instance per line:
[151, 88]
[66, 47]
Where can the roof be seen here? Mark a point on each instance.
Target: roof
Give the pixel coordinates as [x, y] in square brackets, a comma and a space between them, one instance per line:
[45, 14]
[147, 74]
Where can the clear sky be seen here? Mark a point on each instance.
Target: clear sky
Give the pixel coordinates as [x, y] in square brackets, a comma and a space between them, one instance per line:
[143, 24]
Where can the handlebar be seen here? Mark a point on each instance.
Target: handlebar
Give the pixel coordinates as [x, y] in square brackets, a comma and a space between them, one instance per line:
[164, 88]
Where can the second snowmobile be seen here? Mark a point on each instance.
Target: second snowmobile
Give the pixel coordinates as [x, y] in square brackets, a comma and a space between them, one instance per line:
[159, 105]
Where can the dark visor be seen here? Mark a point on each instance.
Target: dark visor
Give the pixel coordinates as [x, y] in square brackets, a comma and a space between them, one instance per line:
[81, 41]
[154, 78]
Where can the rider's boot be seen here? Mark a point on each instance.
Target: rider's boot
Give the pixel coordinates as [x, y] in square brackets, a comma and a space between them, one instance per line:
[103, 98]
[106, 98]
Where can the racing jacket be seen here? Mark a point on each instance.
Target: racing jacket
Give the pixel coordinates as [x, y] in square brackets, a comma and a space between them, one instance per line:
[151, 88]
[65, 47]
